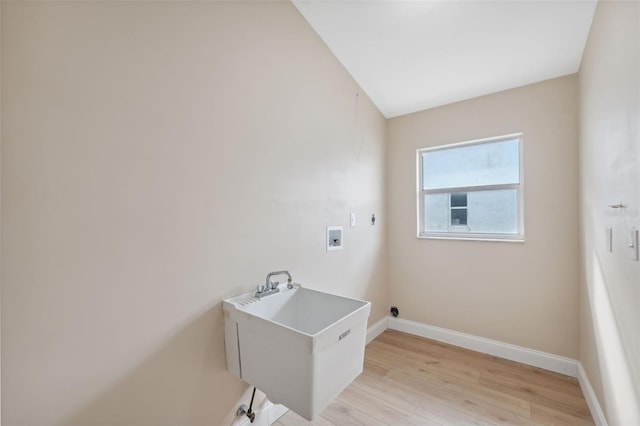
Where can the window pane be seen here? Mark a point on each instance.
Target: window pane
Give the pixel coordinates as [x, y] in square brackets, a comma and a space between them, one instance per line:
[492, 163]
[487, 212]
[436, 211]
[458, 217]
[493, 211]
[459, 199]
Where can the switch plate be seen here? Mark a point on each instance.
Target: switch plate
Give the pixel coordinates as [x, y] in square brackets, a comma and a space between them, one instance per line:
[633, 244]
[352, 219]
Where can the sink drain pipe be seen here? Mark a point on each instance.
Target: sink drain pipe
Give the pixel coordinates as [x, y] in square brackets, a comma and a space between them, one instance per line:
[242, 410]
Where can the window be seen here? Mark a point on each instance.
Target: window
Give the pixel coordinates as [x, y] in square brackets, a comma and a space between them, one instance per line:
[471, 190]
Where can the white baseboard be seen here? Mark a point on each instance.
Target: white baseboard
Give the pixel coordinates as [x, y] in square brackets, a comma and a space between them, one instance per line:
[376, 329]
[590, 396]
[266, 415]
[527, 356]
[532, 357]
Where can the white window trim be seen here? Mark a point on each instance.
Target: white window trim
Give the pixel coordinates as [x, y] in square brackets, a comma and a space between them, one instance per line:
[518, 238]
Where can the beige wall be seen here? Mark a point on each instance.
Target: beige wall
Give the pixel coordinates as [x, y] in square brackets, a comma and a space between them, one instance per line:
[610, 174]
[519, 293]
[157, 158]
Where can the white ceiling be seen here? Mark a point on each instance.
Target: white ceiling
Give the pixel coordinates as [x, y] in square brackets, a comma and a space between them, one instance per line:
[413, 55]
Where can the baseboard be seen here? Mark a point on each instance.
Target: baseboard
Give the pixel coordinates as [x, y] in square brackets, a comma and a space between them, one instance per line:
[275, 412]
[266, 415]
[527, 356]
[590, 397]
[376, 329]
[532, 357]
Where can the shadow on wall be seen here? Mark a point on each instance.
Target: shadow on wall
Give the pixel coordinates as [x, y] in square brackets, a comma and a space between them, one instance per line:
[185, 382]
[621, 396]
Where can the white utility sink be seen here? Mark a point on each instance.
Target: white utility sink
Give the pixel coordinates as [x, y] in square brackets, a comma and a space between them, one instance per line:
[301, 347]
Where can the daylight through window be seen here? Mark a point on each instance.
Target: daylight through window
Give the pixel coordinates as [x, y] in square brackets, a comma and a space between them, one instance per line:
[471, 190]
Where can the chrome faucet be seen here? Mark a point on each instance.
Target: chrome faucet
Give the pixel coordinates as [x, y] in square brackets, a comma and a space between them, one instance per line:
[271, 287]
[271, 274]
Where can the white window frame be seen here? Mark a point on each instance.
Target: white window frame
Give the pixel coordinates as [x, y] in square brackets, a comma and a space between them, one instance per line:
[452, 235]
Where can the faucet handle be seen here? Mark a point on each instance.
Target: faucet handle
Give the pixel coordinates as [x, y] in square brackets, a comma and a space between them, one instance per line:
[274, 284]
[259, 288]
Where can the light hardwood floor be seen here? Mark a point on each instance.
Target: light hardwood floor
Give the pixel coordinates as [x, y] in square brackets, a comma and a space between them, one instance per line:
[409, 380]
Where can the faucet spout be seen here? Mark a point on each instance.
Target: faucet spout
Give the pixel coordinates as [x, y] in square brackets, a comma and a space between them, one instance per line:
[271, 287]
[271, 274]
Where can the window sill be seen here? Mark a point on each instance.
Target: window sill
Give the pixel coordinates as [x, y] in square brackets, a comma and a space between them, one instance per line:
[514, 239]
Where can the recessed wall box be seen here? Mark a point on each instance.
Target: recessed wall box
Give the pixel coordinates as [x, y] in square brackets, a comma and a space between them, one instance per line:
[334, 238]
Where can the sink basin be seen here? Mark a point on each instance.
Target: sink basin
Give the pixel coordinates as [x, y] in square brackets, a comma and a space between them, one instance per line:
[301, 347]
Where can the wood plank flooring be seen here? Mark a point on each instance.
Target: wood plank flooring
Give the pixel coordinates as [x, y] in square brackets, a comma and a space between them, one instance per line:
[409, 380]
